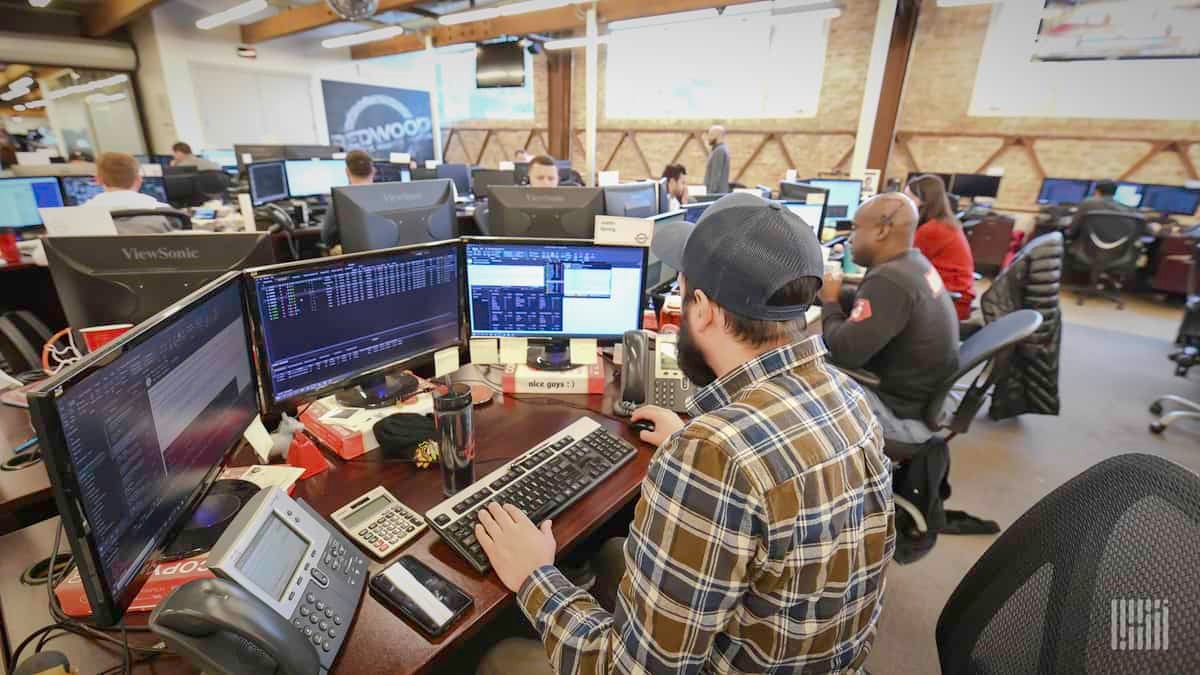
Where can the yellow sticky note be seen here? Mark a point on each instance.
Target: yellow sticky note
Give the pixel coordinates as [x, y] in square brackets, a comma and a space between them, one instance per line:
[583, 351]
[513, 350]
[445, 361]
[484, 351]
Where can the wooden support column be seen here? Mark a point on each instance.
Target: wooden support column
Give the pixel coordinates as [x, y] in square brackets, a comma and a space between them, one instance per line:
[559, 66]
[904, 30]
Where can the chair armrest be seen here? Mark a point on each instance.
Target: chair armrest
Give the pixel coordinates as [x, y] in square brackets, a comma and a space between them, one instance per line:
[864, 377]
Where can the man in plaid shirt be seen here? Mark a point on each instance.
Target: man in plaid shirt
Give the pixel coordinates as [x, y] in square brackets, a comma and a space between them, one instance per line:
[765, 524]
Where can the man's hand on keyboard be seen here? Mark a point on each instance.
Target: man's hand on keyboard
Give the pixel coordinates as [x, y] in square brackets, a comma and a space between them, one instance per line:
[513, 544]
[665, 423]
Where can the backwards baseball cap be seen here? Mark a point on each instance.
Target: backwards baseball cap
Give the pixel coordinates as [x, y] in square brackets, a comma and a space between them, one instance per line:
[741, 252]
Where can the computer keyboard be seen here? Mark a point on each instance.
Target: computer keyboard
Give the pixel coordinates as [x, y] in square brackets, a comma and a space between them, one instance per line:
[542, 481]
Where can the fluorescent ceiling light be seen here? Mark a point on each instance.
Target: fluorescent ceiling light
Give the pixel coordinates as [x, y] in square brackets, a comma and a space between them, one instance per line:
[962, 3]
[83, 88]
[38, 103]
[571, 43]
[23, 83]
[12, 94]
[105, 98]
[19, 108]
[664, 19]
[360, 38]
[39, 3]
[469, 16]
[232, 14]
[512, 9]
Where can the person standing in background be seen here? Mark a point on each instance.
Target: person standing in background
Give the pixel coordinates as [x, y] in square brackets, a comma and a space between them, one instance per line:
[676, 187]
[716, 171]
[940, 237]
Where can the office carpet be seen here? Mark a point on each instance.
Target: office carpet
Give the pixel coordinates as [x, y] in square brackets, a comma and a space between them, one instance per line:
[1000, 469]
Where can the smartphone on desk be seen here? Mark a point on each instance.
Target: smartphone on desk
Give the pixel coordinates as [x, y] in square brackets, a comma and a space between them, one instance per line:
[423, 596]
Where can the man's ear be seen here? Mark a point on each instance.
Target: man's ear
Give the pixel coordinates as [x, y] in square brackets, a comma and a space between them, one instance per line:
[704, 311]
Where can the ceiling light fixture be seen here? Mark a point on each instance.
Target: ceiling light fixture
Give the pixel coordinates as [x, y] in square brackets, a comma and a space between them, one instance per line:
[375, 35]
[36, 103]
[572, 43]
[39, 3]
[22, 83]
[664, 19]
[232, 14]
[13, 94]
[512, 9]
[84, 88]
[19, 107]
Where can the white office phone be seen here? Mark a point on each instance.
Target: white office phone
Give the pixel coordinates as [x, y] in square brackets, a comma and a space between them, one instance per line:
[652, 376]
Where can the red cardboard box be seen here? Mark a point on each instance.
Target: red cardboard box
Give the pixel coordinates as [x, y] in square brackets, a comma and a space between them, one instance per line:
[166, 578]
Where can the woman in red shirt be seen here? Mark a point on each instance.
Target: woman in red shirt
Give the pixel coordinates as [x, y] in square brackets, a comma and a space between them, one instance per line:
[940, 238]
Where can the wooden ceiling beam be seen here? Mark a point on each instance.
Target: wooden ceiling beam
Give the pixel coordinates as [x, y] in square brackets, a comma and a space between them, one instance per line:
[546, 21]
[106, 16]
[304, 18]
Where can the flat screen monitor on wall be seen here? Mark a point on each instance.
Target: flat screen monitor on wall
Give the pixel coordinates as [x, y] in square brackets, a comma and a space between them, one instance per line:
[500, 65]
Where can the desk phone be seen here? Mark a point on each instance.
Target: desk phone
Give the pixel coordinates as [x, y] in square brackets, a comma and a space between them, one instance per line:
[288, 587]
[379, 522]
[652, 376]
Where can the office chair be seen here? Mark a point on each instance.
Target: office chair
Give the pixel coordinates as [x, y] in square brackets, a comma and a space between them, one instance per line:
[180, 188]
[210, 185]
[1108, 242]
[21, 338]
[1097, 577]
[1186, 357]
[176, 220]
[920, 467]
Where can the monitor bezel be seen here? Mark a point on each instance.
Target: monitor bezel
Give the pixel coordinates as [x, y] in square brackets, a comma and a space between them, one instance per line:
[954, 189]
[266, 389]
[287, 189]
[62, 197]
[541, 338]
[108, 608]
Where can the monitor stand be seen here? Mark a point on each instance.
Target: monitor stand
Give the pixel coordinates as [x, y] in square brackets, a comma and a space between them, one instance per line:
[377, 391]
[555, 355]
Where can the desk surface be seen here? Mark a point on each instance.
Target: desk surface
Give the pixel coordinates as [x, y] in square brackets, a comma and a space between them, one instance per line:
[25, 489]
[379, 640]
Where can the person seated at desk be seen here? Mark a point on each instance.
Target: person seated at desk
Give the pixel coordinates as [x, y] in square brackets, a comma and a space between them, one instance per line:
[121, 177]
[940, 238]
[773, 502]
[184, 157]
[677, 192]
[543, 172]
[360, 170]
[901, 324]
[1103, 199]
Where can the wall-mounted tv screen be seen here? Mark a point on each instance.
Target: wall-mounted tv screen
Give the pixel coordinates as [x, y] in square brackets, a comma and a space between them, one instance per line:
[500, 65]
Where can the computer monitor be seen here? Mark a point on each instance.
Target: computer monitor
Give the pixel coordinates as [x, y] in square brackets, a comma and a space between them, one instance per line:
[135, 434]
[633, 200]
[20, 199]
[693, 210]
[561, 212]
[947, 178]
[248, 154]
[842, 202]
[460, 174]
[1064, 191]
[482, 180]
[104, 280]
[1171, 199]
[970, 185]
[664, 197]
[797, 191]
[422, 173]
[386, 172]
[226, 159]
[1129, 194]
[163, 161]
[268, 182]
[553, 290]
[658, 273]
[155, 187]
[78, 189]
[314, 177]
[323, 325]
[813, 215]
[385, 215]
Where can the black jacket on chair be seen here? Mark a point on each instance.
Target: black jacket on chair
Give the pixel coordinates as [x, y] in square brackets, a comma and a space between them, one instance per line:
[1030, 282]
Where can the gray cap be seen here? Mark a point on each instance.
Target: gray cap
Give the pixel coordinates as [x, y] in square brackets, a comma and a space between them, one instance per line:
[741, 252]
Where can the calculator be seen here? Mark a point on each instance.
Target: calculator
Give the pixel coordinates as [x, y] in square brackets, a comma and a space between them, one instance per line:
[379, 522]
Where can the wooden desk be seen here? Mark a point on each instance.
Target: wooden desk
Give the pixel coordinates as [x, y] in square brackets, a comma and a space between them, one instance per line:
[379, 640]
[25, 496]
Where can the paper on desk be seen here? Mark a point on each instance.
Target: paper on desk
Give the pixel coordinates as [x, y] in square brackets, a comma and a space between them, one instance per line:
[485, 351]
[622, 231]
[445, 361]
[583, 351]
[790, 175]
[75, 221]
[260, 439]
[513, 350]
[399, 158]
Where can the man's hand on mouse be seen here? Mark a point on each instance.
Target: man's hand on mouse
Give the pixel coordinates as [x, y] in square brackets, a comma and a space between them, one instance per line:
[665, 423]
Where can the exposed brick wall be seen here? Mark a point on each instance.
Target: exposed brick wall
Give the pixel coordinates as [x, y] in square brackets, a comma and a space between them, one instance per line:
[937, 96]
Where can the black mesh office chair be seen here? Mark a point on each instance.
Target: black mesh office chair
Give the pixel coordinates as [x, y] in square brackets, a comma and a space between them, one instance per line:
[210, 185]
[1108, 247]
[919, 479]
[1058, 591]
[176, 220]
[1187, 356]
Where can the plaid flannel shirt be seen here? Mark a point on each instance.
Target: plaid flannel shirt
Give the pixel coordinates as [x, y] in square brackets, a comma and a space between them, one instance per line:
[760, 541]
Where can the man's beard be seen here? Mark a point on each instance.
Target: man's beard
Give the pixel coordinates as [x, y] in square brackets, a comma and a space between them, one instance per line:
[691, 359]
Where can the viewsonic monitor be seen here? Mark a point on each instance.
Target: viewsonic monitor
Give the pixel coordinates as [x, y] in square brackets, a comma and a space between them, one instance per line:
[633, 200]
[385, 215]
[460, 174]
[561, 212]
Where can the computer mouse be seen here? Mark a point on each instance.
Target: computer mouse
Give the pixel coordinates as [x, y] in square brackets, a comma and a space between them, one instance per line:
[642, 425]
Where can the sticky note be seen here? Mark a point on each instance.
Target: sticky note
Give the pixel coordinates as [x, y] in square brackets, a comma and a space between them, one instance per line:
[790, 175]
[485, 351]
[513, 350]
[507, 166]
[583, 351]
[399, 158]
[431, 163]
[445, 361]
[247, 158]
[260, 439]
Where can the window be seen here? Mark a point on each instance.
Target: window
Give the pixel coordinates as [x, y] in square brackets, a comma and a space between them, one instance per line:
[735, 66]
[458, 99]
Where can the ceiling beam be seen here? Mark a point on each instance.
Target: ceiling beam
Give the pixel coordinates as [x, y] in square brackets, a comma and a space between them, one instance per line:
[106, 16]
[546, 21]
[305, 18]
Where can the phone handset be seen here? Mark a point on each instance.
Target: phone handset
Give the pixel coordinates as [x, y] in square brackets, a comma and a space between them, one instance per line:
[635, 367]
[224, 628]
[652, 376]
